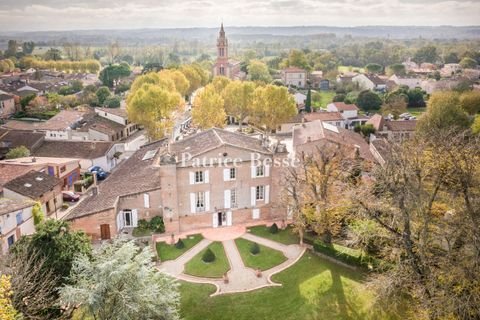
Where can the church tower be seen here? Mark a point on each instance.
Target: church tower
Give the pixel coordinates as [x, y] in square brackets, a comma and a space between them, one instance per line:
[221, 65]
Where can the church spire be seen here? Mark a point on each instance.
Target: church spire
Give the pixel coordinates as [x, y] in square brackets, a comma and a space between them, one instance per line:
[222, 32]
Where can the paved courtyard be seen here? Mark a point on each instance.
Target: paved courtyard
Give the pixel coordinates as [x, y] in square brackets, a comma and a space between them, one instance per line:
[241, 278]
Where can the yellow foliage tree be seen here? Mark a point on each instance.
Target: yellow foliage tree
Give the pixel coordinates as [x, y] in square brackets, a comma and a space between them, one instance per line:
[180, 81]
[209, 111]
[272, 106]
[238, 97]
[7, 312]
[220, 83]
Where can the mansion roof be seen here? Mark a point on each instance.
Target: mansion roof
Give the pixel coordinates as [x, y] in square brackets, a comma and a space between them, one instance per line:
[213, 138]
[74, 149]
[33, 184]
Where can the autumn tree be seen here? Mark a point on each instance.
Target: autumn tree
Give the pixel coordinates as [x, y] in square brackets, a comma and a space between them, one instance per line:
[238, 96]
[443, 113]
[152, 102]
[425, 199]
[7, 311]
[181, 83]
[395, 107]
[272, 105]
[195, 75]
[209, 109]
[258, 71]
[470, 102]
[220, 83]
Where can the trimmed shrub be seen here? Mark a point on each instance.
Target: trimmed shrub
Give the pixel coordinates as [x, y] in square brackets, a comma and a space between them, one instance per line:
[274, 228]
[254, 248]
[157, 225]
[329, 250]
[179, 244]
[143, 224]
[208, 256]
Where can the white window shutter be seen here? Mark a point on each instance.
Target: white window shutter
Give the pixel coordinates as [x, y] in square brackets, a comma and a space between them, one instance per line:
[192, 177]
[267, 194]
[254, 171]
[146, 200]
[207, 201]
[215, 220]
[134, 218]
[229, 218]
[207, 179]
[120, 220]
[226, 174]
[252, 196]
[192, 203]
[227, 196]
[267, 171]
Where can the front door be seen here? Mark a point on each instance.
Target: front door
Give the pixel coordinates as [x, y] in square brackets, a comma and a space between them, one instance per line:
[128, 218]
[222, 219]
[219, 217]
[105, 231]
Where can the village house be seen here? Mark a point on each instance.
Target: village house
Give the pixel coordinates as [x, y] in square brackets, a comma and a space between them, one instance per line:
[89, 153]
[66, 169]
[370, 82]
[410, 82]
[393, 130]
[10, 139]
[294, 76]
[7, 105]
[349, 113]
[15, 221]
[311, 135]
[450, 69]
[193, 183]
[39, 187]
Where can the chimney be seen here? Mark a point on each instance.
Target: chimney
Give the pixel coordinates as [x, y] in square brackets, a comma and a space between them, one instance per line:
[309, 139]
[34, 159]
[94, 191]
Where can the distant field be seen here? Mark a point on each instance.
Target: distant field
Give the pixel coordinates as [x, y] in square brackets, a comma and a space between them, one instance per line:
[350, 69]
[325, 98]
[416, 111]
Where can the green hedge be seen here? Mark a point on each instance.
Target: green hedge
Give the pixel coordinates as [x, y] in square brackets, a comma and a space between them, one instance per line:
[329, 250]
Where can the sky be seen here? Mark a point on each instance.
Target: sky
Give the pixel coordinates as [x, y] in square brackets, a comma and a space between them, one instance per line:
[36, 15]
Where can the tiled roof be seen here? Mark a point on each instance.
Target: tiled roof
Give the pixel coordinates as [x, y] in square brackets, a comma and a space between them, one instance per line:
[375, 79]
[102, 125]
[23, 125]
[74, 149]
[33, 184]
[12, 205]
[132, 176]
[64, 119]
[116, 111]
[293, 69]
[401, 125]
[377, 121]
[10, 172]
[342, 106]
[323, 116]
[214, 138]
[4, 97]
[13, 139]
[318, 131]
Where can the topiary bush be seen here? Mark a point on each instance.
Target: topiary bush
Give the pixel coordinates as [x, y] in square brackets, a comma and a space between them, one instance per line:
[208, 256]
[254, 248]
[274, 228]
[179, 244]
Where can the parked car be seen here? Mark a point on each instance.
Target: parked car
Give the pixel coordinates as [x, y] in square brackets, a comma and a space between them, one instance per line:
[101, 174]
[70, 196]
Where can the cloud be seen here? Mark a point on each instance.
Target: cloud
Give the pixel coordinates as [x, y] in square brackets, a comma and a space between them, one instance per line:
[92, 14]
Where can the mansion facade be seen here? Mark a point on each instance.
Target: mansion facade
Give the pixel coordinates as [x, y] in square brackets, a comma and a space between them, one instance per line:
[214, 178]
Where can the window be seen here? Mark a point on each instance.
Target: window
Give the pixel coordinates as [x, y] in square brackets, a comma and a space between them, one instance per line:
[11, 240]
[233, 198]
[19, 218]
[127, 218]
[199, 177]
[200, 201]
[260, 193]
[233, 173]
[260, 171]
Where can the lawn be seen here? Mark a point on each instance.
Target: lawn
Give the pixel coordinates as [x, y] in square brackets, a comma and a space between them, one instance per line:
[267, 257]
[283, 236]
[325, 98]
[141, 232]
[170, 252]
[343, 69]
[313, 288]
[416, 111]
[215, 269]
